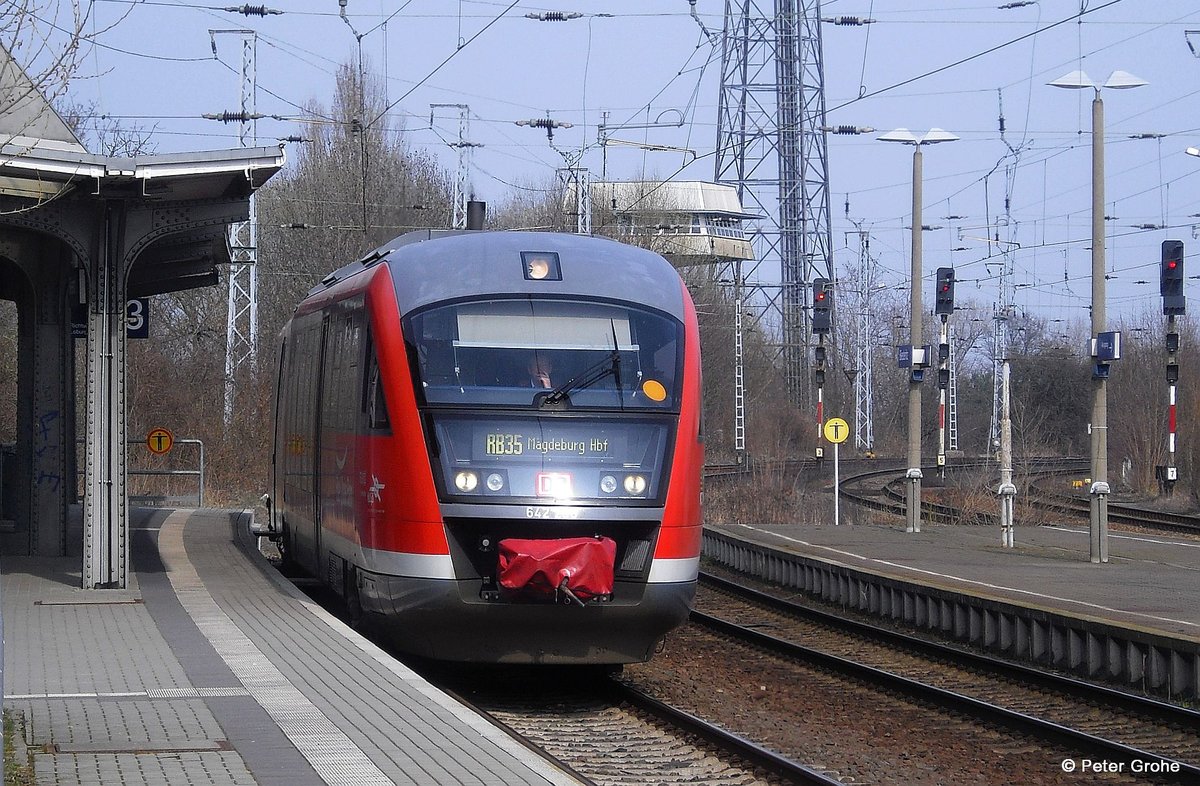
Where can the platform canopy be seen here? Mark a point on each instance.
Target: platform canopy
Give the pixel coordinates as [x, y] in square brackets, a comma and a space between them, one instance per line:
[42, 161]
[42, 173]
[80, 229]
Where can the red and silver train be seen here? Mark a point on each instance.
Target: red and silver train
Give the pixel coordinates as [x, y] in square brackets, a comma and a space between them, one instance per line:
[490, 442]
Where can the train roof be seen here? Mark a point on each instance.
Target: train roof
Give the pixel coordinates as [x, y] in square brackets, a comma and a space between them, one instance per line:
[429, 267]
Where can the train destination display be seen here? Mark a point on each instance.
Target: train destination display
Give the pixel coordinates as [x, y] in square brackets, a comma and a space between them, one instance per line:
[517, 444]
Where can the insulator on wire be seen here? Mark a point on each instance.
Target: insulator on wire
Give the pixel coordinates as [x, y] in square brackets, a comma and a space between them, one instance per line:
[554, 16]
[252, 10]
[233, 117]
[848, 21]
[543, 122]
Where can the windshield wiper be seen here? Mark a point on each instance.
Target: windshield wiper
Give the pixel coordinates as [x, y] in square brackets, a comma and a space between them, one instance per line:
[591, 376]
[598, 371]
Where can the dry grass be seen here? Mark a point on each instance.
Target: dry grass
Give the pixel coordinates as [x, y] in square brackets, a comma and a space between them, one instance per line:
[770, 495]
[767, 494]
[18, 770]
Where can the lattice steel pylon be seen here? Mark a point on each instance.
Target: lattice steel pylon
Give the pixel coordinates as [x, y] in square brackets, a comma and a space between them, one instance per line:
[739, 368]
[952, 399]
[577, 185]
[1003, 313]
[462, 182]
[241, 331]
[857, 301]
[771, 148]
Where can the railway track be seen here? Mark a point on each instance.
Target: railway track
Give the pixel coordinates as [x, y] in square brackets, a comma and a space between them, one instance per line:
[609, 733]
[602, 730]
[865, 490]
[937, 714]
[1068, 719]
[1118, 513]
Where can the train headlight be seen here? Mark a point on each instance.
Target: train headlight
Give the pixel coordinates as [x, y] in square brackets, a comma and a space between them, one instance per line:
[541, 266]
[608, 484]
[635, 484]
[495, 481]
[466, 481]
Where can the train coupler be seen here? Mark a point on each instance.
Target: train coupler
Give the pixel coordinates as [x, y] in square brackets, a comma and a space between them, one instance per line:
[560, 570]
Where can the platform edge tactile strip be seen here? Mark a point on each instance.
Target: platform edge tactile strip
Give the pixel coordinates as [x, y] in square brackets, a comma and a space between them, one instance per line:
[332, 754]
[415, 732]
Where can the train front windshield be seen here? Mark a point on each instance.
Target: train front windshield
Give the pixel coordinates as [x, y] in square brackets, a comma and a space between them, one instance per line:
[542, 401]
[541, 353]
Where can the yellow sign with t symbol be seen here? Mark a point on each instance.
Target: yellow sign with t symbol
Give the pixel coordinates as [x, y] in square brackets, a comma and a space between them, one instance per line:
[836, 430]
[159, 440]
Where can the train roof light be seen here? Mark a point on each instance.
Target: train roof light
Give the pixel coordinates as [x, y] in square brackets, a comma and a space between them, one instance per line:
[541, 266]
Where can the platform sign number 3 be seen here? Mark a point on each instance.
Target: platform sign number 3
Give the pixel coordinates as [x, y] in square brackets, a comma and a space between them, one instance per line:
[137, 318]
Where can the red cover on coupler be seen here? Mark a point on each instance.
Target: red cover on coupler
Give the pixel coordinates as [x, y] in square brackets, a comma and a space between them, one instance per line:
[579, 568]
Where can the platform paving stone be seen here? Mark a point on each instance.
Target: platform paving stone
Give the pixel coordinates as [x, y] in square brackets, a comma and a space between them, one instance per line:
[212, 669]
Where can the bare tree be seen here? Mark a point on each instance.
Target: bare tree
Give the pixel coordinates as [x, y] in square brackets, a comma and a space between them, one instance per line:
[531, 205]
[351, 187]
[42, 45]
[106, 135]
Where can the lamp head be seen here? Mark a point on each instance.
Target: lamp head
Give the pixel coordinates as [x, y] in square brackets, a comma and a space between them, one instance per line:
[902, 135]
[1076, 80]
[1123, 80]
[907, 137]
[936, 135]
[1117, 80]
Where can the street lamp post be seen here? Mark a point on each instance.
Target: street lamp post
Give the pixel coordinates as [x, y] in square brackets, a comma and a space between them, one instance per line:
[913, 475]
[1118, 80]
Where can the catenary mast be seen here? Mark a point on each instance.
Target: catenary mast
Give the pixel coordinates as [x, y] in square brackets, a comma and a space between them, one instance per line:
[770, 146]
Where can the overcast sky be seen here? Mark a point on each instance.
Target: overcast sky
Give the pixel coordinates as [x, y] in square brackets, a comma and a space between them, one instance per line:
[919, 65]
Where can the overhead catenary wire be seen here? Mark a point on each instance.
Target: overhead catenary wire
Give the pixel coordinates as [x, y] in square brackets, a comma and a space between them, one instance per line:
[1033, 156]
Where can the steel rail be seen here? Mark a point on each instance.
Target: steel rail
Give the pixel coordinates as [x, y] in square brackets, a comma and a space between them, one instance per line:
[753, 753]
[516, 736]
[1174, 770]
[1121, 513]
[894, 501]
[1160, 710]
[618, 691]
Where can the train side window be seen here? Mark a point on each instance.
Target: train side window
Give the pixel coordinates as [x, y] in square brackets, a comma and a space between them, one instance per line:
[374, 401]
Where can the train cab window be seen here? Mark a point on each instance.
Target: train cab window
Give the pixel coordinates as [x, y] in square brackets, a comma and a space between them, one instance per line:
[374, 401]
[597, 354]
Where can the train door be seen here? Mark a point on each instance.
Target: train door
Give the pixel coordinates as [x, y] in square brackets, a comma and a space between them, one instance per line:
[300, 435]
[341, 394]
[279, 446]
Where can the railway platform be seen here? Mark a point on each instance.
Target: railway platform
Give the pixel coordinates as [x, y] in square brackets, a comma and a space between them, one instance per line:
[210, 668]
[1134, 620]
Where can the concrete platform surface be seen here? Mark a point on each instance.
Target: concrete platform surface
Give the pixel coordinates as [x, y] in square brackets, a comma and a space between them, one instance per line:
[212, 669]
[1151, 582]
